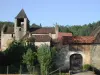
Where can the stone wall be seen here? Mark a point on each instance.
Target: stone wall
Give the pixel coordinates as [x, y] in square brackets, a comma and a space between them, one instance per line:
[6, 39]
[95, 49]
[63, 56]
[95, 54]
[40, 43]
[83, 49]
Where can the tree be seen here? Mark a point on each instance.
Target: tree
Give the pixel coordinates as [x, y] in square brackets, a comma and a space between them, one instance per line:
[35, 25]
[2, 58]
[44, 58]
[14, 52]
[40, 25]
[13, 56]
[29, 58]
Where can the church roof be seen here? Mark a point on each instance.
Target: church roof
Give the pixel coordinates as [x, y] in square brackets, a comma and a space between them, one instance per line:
[21, 14]
[37, 38]
[61, 34]
[8, 30]
[41, 38]
[42, 30]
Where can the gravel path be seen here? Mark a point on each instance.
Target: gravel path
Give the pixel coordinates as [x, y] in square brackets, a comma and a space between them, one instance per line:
[85, 73]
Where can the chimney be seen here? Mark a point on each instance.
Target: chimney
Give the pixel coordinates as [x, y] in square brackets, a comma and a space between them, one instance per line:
[2, 30]
[56, 30]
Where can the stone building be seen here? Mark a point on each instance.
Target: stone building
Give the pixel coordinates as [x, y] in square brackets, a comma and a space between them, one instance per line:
[22, 30]
[75, 51]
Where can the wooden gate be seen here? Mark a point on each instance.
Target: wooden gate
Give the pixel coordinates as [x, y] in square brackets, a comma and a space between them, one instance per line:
[75, 62]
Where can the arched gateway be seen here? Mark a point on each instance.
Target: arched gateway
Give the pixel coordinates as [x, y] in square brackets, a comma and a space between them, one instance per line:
[76, 61]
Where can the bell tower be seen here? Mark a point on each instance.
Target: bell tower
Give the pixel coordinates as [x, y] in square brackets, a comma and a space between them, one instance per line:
[21, 25]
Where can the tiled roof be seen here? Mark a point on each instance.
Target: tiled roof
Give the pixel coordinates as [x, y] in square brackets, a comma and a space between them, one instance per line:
[41, 38]
[37, 38]
[21, 14]
[61, 34]
[78, 39]
[25, 36]
[9, 30]
[42, 30]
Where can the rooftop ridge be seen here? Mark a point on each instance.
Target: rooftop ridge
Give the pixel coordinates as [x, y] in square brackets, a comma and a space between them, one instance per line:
[21, 14]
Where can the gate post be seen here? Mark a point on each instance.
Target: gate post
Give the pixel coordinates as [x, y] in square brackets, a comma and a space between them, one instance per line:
[7, 70]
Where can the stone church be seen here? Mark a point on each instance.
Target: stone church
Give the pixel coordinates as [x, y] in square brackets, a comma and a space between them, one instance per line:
[22, 30]
[75, 51]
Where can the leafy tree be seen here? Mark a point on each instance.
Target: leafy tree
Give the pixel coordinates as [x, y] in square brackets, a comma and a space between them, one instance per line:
[14, 52]
[35, 25]
[52, 66]
[12, 56]
[40, 25]
[44, 58]
[29, 58]
[2, 58]
[80, 30]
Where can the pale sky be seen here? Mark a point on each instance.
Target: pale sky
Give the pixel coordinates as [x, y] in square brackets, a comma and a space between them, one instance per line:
[48, 12]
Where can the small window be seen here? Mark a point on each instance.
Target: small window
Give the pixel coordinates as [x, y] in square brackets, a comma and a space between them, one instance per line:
[19, 29]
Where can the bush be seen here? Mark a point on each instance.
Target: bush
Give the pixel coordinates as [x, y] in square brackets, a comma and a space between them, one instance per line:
[86, 67]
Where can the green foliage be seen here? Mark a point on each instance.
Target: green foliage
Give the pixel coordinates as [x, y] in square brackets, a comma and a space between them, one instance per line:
[36, 26]
[44, 58]
[6, 23]
[14, 52]
[53, 54]
[81, 30]
[12, 56]
[86, 67]
[29, 58]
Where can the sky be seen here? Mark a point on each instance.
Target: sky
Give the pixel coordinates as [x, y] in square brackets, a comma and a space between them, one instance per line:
[50, 12]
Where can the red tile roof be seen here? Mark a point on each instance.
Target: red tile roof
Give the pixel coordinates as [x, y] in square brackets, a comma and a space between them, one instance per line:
[77, 39]
[61, 34]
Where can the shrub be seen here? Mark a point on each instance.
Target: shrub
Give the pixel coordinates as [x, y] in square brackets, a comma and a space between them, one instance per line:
[86, 67]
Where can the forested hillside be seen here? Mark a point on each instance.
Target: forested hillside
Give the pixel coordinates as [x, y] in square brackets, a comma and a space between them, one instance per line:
[81, 30]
